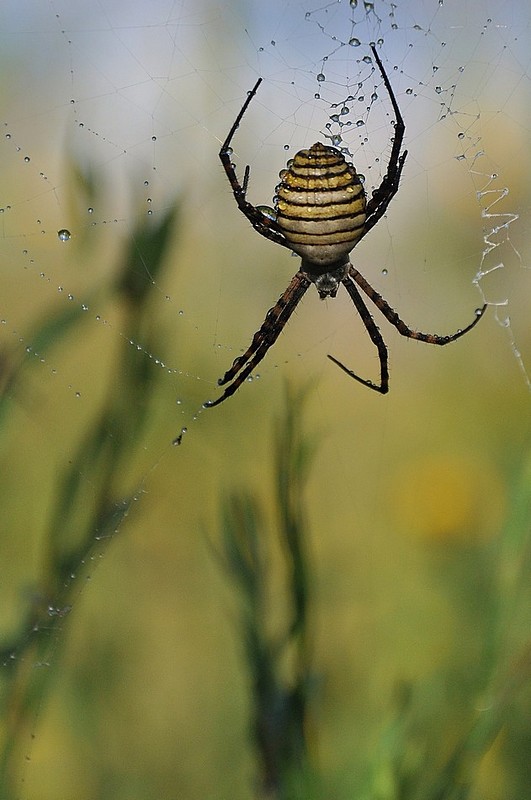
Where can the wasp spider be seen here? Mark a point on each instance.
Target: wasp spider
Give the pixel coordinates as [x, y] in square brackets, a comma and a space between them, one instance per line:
[321, 213]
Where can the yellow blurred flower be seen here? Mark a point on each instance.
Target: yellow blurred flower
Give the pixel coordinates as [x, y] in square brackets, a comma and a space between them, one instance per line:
[448, 496]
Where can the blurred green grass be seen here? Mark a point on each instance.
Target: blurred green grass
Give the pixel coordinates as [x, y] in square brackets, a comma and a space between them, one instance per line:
[125, 668]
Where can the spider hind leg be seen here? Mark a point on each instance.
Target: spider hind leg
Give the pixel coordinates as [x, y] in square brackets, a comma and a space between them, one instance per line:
[376, 337]
[263, 339]
[349, 282]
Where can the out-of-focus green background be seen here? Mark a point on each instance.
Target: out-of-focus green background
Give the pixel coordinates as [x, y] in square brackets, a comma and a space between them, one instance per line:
[416, 503]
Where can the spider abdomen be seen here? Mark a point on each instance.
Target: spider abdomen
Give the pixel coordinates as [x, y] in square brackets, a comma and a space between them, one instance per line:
[321, 205]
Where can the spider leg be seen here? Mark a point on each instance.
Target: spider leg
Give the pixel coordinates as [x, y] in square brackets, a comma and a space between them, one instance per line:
[226, 144]
[264, 225]
[263, 339]
[382, 196]
[391, 315]
[376, 337]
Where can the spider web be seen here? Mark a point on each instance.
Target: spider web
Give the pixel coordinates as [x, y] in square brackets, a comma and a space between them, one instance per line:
[112, 118]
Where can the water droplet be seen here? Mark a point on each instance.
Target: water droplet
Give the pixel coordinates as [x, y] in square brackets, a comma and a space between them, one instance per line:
[90, 210]
[153, 138]
[461, 135]
[178, 439]
[268, 212]
[64, 235]
[354, 41]
[27, 159]
[321, 77]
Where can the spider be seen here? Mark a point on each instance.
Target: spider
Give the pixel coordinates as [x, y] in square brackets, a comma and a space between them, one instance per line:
[321, 213]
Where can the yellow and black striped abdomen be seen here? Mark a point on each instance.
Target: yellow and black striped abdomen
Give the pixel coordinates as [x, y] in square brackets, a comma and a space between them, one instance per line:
[320, 205]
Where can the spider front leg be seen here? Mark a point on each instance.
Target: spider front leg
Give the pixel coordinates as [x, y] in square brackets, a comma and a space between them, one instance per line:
[382, 196]
[226, 151]
[264, 225]
[263, 339]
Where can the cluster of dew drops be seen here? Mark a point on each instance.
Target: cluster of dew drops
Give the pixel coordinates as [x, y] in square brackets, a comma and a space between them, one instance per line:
[337, 118]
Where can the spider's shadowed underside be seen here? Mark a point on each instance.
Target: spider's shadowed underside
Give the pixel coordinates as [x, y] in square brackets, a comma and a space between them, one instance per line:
[321, 213]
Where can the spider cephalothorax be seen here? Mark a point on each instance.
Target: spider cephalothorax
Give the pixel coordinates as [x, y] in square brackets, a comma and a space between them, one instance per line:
[321, 213]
